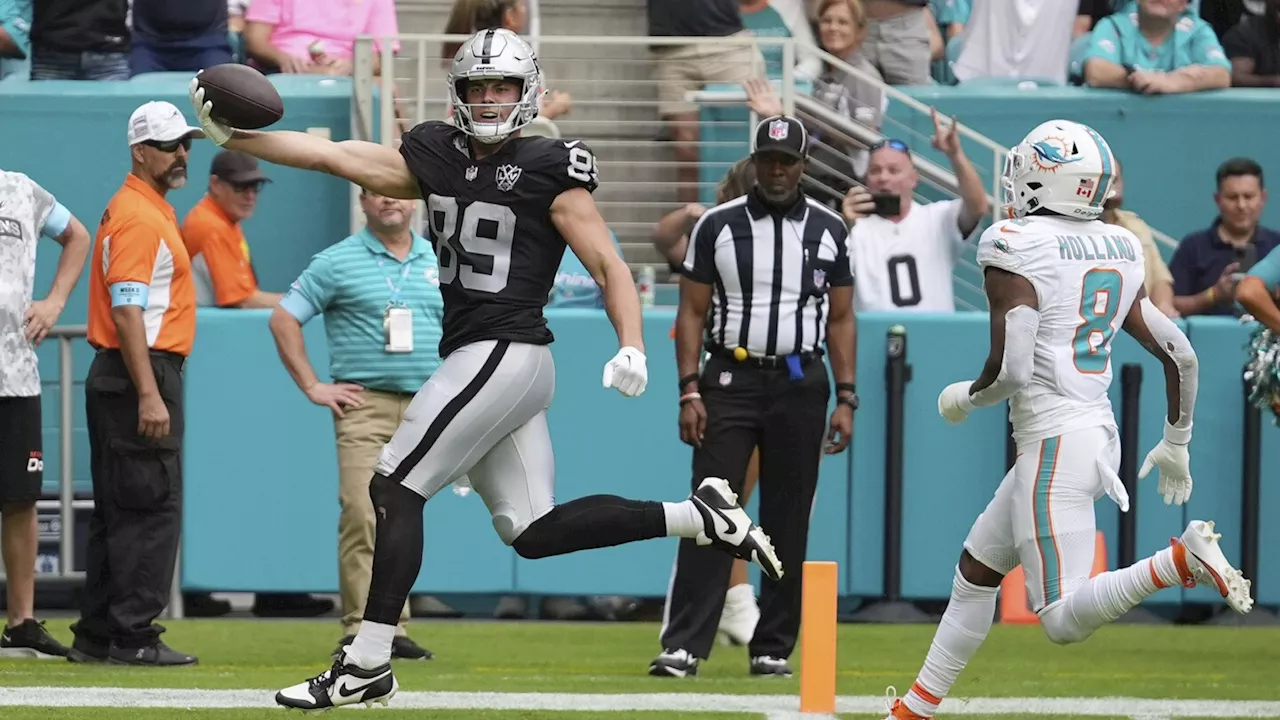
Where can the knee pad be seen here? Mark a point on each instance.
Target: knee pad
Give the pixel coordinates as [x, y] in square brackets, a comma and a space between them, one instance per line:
[530, 540]
[1060, 625]
[388, 496]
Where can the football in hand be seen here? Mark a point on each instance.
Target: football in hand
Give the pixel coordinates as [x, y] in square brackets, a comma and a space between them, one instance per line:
[242, 97]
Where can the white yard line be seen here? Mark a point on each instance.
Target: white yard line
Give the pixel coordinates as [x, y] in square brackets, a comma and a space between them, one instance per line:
[776, 707]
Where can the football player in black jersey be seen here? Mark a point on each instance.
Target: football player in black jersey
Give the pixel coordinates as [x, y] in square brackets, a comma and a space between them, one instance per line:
[501, 209]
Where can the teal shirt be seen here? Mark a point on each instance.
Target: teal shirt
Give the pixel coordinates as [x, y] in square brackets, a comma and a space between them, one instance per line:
[1268, 270]
[946, 12]
[1116, 39]
[15, 18]
[768, 22]
[351, 283]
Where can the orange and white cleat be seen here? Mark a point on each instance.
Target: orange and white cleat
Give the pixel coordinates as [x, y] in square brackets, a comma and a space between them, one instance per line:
[1200, 561]
[898, 710]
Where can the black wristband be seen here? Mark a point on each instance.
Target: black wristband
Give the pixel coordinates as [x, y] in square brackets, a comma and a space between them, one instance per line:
[851, 387]
[691, 377]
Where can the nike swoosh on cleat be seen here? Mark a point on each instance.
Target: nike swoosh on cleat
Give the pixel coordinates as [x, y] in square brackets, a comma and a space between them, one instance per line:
[355, 689]
[733, 528]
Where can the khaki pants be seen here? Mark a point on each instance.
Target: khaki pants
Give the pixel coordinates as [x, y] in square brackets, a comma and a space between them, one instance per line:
[361, 434]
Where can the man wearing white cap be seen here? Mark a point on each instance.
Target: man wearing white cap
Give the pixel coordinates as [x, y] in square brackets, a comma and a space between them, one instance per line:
[142, 322]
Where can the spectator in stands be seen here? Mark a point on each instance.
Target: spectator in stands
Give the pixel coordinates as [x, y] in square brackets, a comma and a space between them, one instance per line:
[379, 292]
[1253, 47]
[470, 16]
[1088, 13]
[80, 40]
[1156, 49]
[15, 40]
[842, 28]
[1259, 293]
[27, 213]
[178, 36]
[681, 69]
[781, 19]
[315, 36]
[1028, 39]
[215, 240]
[1208, 263]
[904, 262]
[1159, 282]
[899, 42]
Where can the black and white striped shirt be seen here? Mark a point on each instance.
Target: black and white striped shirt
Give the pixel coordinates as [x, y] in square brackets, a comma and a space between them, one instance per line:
[770, 271]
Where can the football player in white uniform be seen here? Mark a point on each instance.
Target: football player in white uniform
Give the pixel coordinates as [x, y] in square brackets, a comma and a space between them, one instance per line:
[1060, 284]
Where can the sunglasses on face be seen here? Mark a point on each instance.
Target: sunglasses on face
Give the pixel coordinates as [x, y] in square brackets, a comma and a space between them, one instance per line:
[246, 187]
[892, 144]
[170, 146]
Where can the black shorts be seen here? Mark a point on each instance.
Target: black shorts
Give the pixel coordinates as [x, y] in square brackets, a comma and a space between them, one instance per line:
[21, 458]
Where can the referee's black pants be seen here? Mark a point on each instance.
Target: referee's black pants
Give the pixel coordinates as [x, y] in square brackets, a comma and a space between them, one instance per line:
[137, 508]
[749, 406]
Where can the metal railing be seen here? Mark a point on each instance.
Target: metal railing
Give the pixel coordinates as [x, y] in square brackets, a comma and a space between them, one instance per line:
[614, 93]
[67, 505]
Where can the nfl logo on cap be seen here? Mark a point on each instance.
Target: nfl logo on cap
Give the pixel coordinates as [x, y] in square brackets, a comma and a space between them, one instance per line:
[778, 129]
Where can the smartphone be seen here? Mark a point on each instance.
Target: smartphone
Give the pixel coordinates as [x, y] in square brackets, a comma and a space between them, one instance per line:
[887, 204]
[1247, 256]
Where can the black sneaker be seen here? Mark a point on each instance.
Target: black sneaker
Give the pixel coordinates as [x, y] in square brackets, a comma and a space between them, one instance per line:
[342, 684]
[84, 650]
[402, 648]
[769, 665]
[29, 639]
[157, 655]
[674, 663]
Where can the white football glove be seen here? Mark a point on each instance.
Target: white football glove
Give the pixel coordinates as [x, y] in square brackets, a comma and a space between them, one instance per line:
[214, 130]
[954, 404]
[1175, 471]
[627, 372]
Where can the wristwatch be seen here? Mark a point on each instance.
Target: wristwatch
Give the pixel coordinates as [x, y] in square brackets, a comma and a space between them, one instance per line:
[851, 399]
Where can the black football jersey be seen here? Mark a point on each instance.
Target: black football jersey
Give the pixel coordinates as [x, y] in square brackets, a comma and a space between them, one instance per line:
[490, 223]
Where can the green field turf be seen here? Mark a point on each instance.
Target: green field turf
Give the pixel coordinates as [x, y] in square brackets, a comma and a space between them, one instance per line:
[1160, 663]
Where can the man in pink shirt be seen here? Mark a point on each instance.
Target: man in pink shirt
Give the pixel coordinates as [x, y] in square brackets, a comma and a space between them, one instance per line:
[314, 36]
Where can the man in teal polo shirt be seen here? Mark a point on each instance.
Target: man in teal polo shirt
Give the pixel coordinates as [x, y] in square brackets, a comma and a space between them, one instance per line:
[379, 293]
[1259, 291]
[1156, 48]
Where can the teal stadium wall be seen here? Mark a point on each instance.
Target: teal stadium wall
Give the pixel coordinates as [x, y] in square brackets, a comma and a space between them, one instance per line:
[261, 459]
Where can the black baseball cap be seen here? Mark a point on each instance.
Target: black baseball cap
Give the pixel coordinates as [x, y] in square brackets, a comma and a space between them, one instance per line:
[783, 134]
[237, 167]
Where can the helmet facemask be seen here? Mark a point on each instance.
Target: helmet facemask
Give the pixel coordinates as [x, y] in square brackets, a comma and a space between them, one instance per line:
[469, 116]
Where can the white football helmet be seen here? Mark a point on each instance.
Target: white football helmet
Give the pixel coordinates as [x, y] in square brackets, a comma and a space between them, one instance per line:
[1062, 166]
[495, 54]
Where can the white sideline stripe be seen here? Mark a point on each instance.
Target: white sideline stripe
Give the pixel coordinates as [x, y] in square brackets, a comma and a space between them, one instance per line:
[777, 707]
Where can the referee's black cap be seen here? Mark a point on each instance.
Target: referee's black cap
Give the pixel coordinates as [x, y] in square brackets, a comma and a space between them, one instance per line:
[783, 134]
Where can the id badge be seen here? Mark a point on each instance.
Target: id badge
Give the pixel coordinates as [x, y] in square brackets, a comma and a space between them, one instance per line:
[398, 324]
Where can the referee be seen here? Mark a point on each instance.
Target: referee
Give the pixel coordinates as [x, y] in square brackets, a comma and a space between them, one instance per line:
[773, 268]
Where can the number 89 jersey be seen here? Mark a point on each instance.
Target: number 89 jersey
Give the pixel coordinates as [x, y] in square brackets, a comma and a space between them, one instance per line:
[490, 223]
[1086, 275]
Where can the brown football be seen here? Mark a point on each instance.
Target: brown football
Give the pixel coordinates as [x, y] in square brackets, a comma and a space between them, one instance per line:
[242, 97]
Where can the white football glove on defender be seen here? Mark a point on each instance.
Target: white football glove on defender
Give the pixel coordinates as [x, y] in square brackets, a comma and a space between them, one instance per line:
[214, 130]
[627, 372]
[954, 404]
[1174, 463]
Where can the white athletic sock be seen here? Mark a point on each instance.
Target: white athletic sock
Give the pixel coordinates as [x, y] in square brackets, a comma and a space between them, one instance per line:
[683, 519]
[1105, 597]
[963, 628]
[372, 646]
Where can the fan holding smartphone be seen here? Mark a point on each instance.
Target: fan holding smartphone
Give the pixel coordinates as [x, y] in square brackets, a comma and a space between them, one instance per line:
[903, 252]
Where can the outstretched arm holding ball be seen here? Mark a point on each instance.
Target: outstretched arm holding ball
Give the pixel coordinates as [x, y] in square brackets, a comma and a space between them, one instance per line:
[378, 168]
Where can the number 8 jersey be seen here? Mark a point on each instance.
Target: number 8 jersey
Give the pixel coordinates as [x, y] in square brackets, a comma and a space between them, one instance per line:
[1086, 275]
[490, 223]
